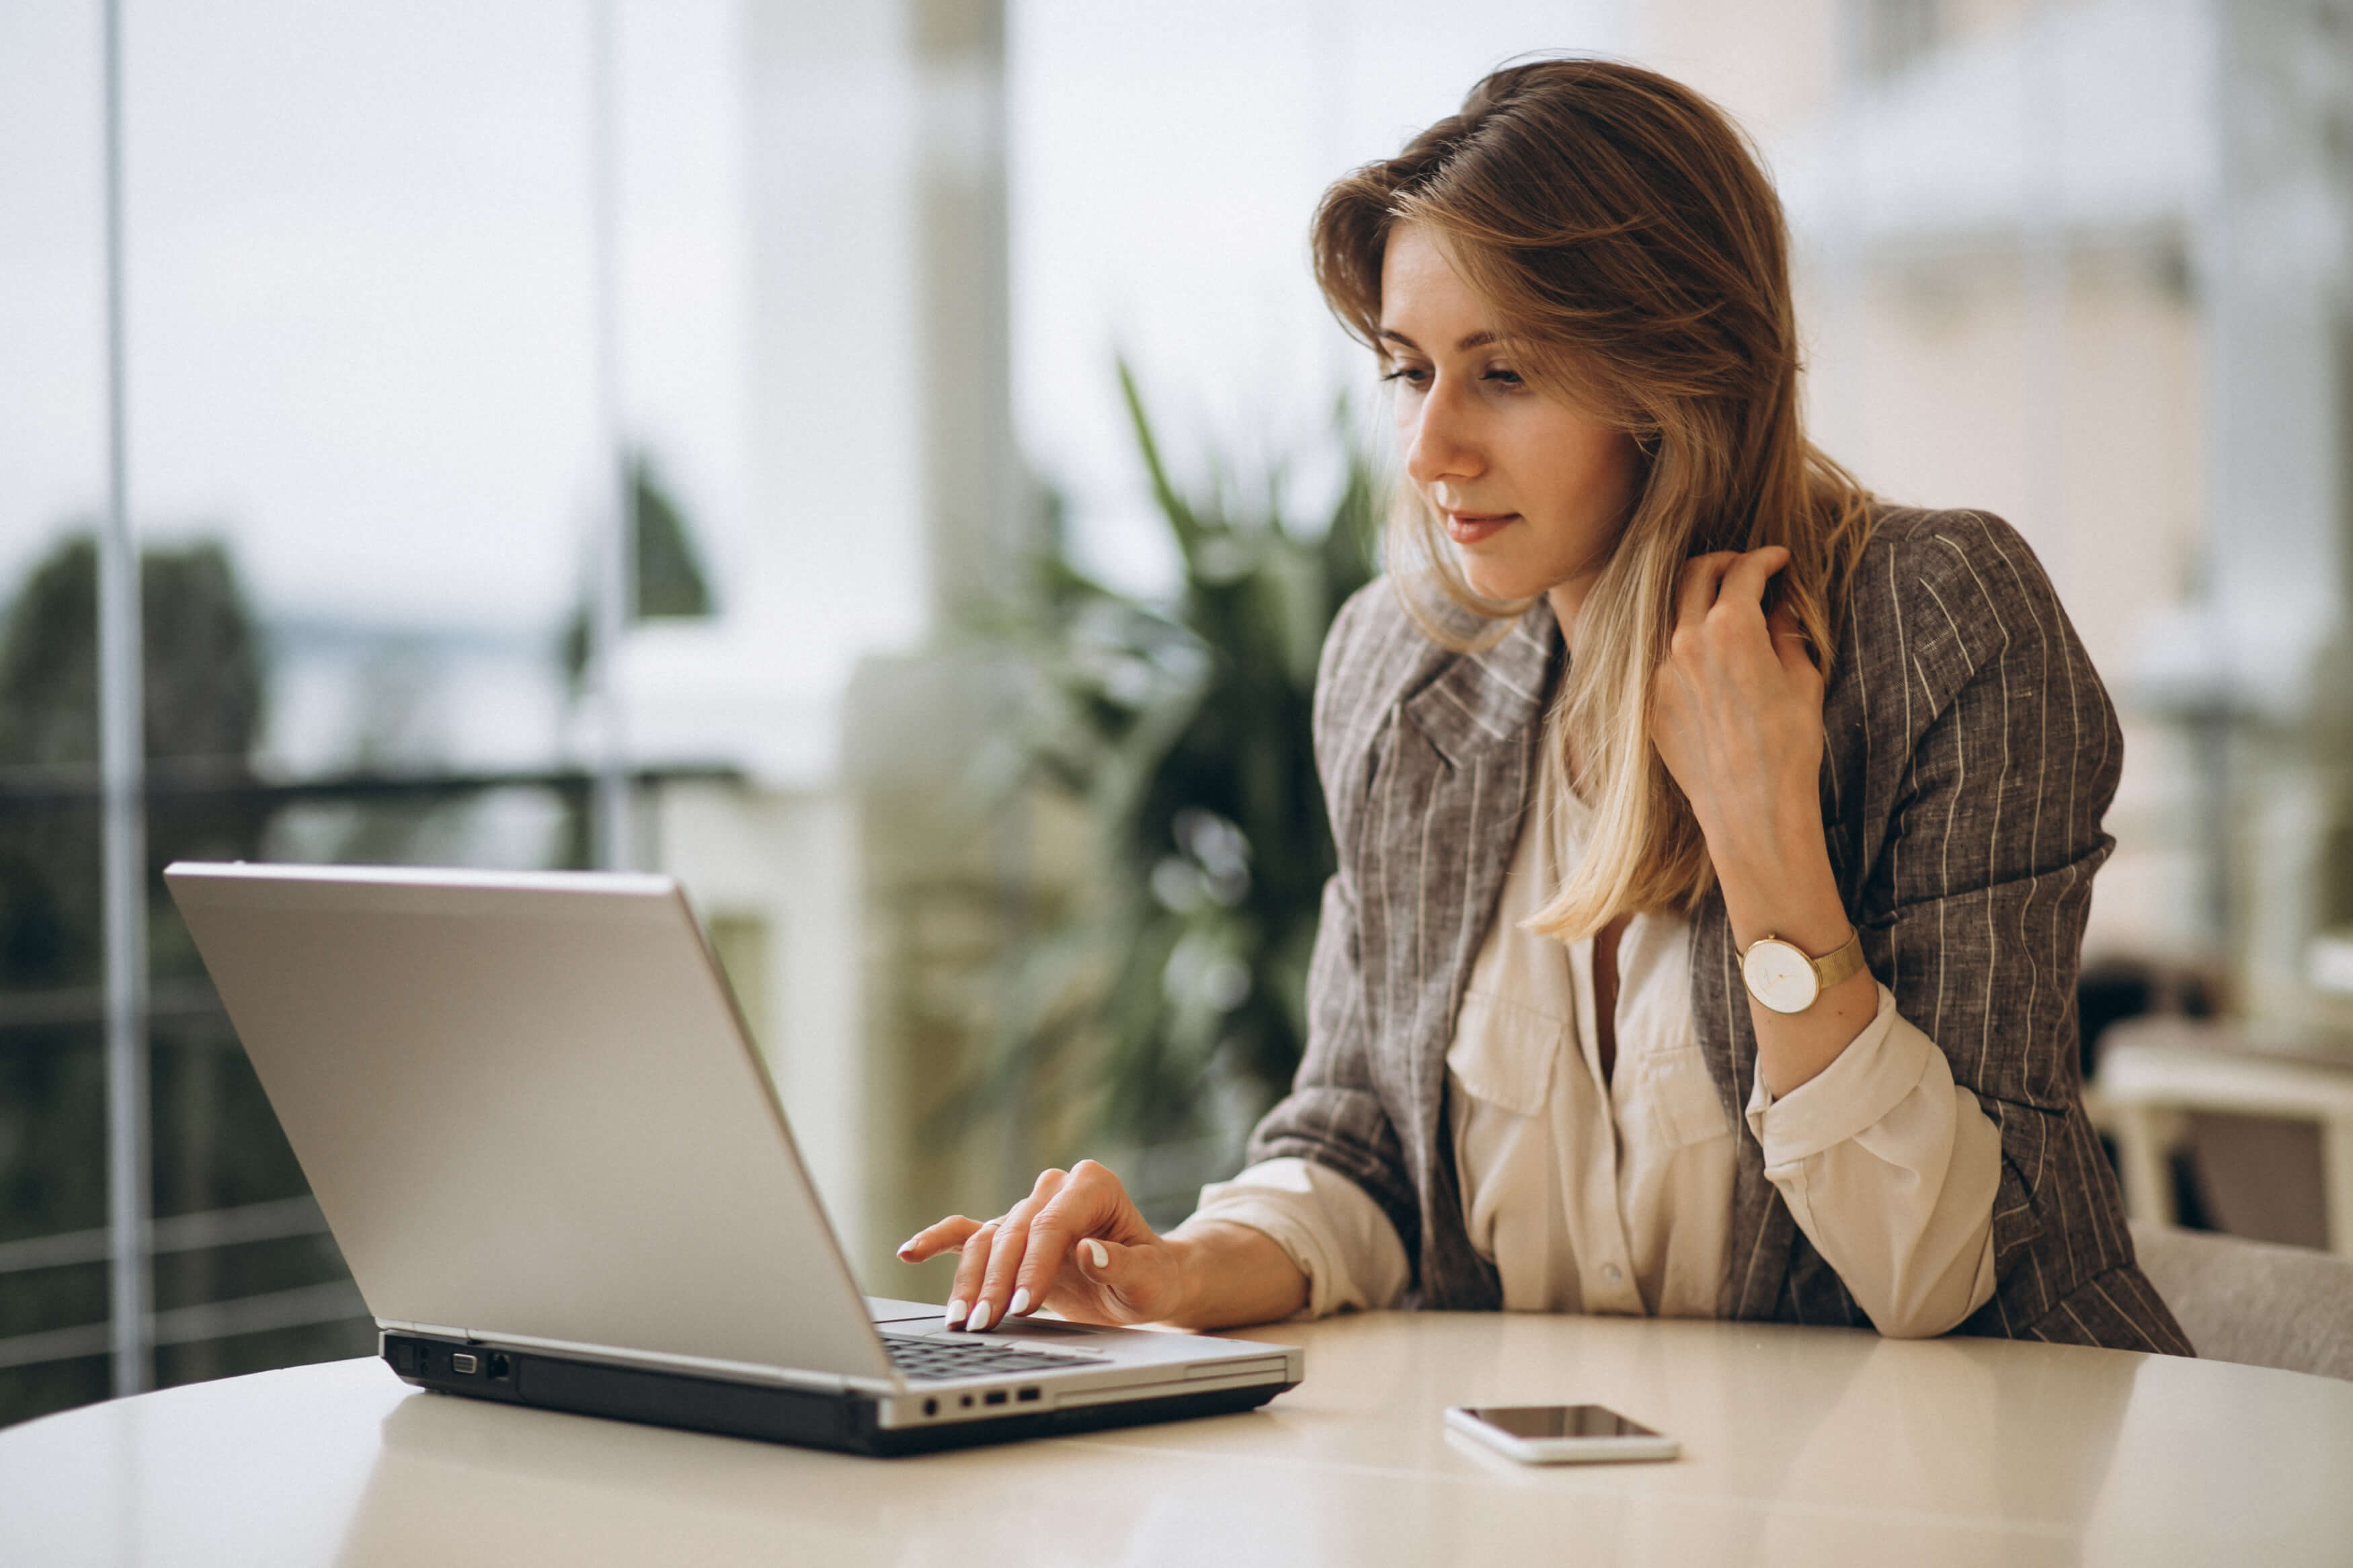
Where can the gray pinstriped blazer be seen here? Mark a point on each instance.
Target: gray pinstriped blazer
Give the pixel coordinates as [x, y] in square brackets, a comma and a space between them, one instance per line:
[1971, 751]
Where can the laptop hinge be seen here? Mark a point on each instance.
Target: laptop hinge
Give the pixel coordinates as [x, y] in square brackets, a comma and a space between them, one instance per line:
[402, 1326]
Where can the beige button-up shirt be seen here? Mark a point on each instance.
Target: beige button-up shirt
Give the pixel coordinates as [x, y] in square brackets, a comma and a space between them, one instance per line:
[1615, 1196]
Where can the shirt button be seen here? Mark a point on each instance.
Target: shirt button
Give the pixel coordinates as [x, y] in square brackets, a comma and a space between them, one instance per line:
[1610, 1271]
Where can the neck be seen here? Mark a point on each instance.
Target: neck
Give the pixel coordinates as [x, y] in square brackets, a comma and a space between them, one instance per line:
[1567, 598]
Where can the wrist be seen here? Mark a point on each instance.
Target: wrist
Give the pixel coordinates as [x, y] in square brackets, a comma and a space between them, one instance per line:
[1796, 899]
[1184, 1253]
[1769, 840]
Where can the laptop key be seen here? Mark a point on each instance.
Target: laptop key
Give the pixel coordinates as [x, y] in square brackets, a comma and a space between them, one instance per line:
[934, 1358]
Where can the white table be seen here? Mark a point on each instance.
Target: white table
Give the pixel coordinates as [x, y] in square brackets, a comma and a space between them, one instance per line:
[1801, 1446]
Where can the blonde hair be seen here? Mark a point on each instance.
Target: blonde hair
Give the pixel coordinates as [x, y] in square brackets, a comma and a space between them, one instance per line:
[1630, 250]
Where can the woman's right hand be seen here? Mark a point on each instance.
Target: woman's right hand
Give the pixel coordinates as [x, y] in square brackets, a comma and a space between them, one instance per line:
[1075, 1244]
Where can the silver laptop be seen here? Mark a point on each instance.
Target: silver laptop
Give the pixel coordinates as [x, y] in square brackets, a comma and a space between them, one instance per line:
[562, 1177]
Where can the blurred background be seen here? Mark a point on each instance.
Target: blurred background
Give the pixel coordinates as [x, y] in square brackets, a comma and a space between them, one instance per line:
[887, 465]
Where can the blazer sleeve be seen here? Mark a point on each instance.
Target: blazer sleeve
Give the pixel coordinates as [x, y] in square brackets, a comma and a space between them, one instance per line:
[1974, 902]
[1335, 1114]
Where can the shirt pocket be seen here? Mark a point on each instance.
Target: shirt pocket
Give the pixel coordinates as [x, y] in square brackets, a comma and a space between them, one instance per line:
[1503, 1052]
[1682, 1097]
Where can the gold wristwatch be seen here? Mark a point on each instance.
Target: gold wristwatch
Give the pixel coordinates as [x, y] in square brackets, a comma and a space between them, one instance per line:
[1781, 976]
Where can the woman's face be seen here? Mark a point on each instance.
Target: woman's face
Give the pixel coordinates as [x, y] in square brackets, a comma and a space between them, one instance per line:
[1533, 492]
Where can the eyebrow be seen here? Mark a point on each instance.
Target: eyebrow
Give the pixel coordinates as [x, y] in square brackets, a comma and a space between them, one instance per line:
[1475, 340]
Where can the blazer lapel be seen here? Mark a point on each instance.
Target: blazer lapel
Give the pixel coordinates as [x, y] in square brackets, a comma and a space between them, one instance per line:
[1444, 810]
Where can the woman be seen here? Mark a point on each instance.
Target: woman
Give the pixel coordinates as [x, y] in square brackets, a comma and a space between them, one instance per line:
[1715, 842]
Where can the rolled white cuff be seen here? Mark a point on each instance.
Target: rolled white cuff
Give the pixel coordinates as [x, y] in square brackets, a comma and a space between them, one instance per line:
[1890, 1169]
[1329, 1228]
[1868, 1079]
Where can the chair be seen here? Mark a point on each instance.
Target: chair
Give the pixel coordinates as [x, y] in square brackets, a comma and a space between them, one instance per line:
[2154, 1071]
[2287, 1307]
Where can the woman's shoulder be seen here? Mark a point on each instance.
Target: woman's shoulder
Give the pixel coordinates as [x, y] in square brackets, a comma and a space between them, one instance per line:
[1373, 653]
[1920, 551]
[1939, 595]
[1955, 647]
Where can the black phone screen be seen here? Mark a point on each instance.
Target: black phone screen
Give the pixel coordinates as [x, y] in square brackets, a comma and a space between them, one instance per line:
[1560, 1421]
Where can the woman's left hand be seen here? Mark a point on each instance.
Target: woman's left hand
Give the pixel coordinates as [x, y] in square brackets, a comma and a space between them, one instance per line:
[1736, 714]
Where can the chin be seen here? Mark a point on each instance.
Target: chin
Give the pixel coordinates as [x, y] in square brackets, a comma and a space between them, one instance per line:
[1491, 580]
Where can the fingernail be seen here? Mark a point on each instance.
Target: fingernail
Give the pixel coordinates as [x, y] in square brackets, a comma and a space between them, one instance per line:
[979, 1319]
[1019, 1304]
[956, 1312]
[1096, 1256]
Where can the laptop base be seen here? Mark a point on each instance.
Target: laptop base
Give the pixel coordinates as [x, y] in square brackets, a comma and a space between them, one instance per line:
[803, 1417]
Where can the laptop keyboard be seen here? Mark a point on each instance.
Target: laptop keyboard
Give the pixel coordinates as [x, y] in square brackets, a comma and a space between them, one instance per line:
[935, 1357]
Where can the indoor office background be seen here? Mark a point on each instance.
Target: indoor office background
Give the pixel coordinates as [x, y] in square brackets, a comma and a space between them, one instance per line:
[693, 435]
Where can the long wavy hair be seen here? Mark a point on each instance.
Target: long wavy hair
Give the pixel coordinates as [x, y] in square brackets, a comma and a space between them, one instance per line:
[1619, 231]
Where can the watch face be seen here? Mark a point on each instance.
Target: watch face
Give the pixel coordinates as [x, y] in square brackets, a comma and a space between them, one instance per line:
[1781, 977]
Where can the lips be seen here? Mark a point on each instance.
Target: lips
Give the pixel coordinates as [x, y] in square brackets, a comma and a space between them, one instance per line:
[1471, 527]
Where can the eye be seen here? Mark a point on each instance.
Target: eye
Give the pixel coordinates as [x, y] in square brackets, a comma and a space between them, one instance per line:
[1411, 375]
[1506, 377]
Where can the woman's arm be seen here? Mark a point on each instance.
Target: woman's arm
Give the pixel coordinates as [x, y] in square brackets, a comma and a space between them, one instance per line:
[1888, 1166]
[1231, 1275]
[1736, 712]
[1979, 754]
[1078, 1244]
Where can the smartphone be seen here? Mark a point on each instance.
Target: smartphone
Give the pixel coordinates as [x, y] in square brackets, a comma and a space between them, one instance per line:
[1561, 1434]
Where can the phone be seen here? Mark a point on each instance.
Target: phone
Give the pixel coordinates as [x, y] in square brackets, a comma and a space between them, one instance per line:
[1561, 1434]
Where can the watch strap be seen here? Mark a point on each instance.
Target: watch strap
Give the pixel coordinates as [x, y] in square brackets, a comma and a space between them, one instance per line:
[1840, 965]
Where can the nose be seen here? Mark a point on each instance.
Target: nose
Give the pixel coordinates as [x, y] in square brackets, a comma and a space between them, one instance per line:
[1440, 443]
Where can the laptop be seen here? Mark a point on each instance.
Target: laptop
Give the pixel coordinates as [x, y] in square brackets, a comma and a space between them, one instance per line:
[562, 1177]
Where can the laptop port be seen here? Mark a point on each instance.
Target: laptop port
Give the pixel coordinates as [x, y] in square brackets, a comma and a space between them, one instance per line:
[463, 1361]
[501, 1367]
[967, 1401]
[994, 1396]
[931, 1407]
[1028, 1395]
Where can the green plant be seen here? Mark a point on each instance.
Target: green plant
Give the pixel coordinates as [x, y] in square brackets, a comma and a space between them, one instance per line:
[1175, 979]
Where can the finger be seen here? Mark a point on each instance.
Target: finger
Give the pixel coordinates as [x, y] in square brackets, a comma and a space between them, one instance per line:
[970, 1267]
[944, 1235]
[1744, 583]
[1004, 1250]
[994, 1301]
[1117, 1271]
[1790, 644]
[1084, 1205]
[1697, 588]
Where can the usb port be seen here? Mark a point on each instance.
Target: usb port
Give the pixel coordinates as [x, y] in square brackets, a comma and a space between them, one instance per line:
[994, 1396]
[1028, 1395]
[463, 1361]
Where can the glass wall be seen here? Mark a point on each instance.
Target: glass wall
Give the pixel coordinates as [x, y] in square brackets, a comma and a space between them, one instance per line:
[53, 498]
[415, 306]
